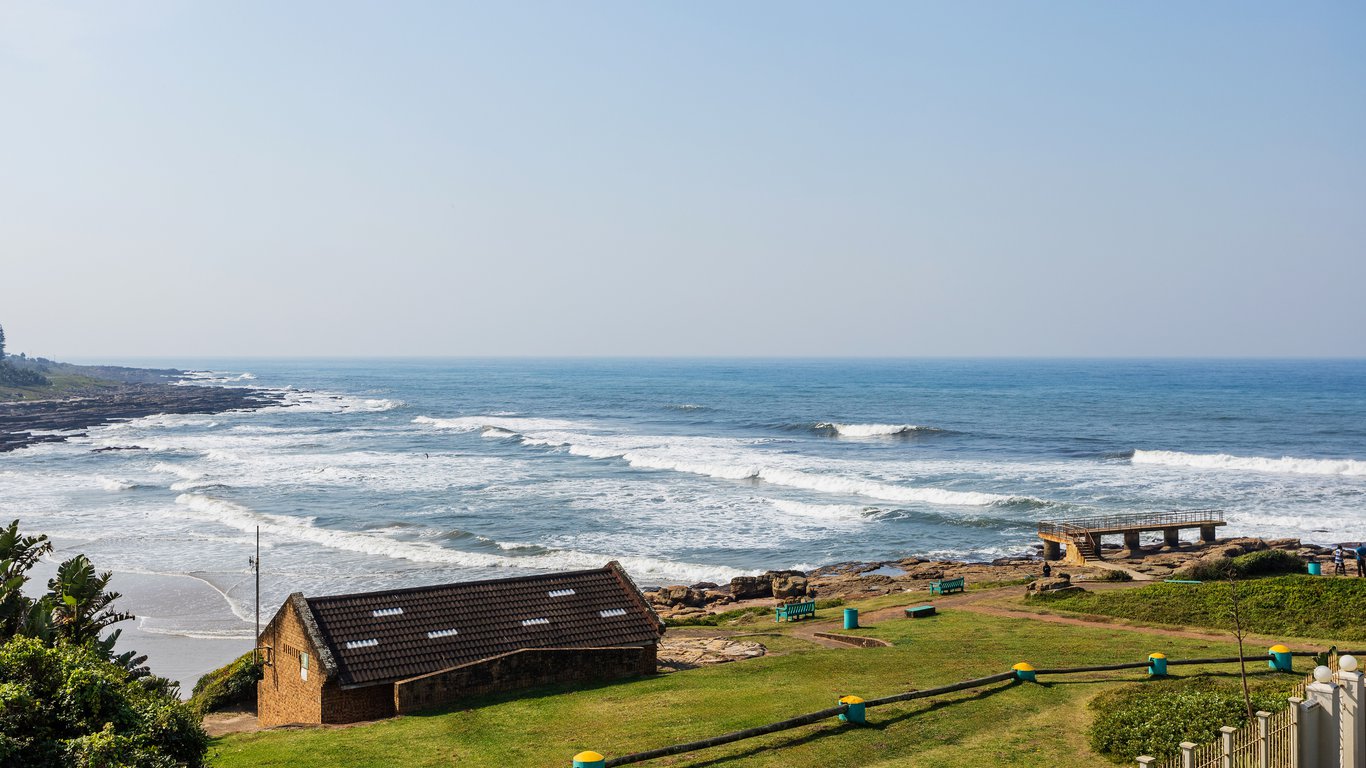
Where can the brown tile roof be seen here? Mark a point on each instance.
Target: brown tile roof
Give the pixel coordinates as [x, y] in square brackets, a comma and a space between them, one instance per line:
[397, 634]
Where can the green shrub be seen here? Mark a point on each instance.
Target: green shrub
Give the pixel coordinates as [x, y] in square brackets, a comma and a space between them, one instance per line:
[69, 706]
[1268, 562]
[1111, 575]
[233, 685]
[1154, 717]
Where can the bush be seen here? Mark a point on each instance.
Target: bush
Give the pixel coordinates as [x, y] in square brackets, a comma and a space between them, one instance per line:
[1268, 562]
[1154, 717]
[233, 685]
[68, 706]
[1111, 575]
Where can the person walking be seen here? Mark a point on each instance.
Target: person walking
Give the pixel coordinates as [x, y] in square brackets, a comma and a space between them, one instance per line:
[1361, 558]
[1339, 563]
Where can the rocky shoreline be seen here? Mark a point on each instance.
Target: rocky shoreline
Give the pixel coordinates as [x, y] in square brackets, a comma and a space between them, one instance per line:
[863, 580]
[68, 417]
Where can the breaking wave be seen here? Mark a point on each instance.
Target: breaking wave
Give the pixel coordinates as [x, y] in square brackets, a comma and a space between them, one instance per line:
[871, 430]
[245, 519]
[113, 484]
[824, 511]
[709, 457]
[1223, 461]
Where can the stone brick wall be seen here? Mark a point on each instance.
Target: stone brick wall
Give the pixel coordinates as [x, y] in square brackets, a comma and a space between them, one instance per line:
[373, 702]
[283, 696]
[521, 669]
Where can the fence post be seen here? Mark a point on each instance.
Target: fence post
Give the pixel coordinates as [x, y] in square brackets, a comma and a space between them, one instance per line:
[1144, 761]
[1188, 754]
[1353, 724]
[1226, 746]
[1303, 724]
[1327, 731]
[1263, 739]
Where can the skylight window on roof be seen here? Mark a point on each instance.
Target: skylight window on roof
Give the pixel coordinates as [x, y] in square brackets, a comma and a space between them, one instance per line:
[381, 612]
[437, 634]
[534, 622]
[610, 612]
[560, 592]
[354, 644]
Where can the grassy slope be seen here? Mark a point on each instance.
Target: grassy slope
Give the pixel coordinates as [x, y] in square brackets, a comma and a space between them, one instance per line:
[1284, 606]
[63, 384]
[1013, 725]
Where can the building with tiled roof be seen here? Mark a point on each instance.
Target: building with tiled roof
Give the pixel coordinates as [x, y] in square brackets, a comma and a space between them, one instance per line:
[371, 655]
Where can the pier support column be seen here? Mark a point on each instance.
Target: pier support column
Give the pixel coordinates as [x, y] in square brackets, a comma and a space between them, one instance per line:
[1051, 550]
[1131, 543]
[1171, 537]
[1207, 534]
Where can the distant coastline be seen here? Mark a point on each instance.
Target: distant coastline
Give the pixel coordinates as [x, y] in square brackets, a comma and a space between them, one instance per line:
[75, 398]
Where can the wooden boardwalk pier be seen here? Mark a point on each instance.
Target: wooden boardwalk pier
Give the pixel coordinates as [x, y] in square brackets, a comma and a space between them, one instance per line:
[1081, 536]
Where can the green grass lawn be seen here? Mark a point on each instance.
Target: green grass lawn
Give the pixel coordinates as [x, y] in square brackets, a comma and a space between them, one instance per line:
[1005, 725]
[1298, 606]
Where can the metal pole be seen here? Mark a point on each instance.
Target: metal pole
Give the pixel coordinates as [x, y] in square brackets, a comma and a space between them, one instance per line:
[256, 639]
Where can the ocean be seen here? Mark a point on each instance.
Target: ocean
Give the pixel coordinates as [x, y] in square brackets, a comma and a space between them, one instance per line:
[390, 473]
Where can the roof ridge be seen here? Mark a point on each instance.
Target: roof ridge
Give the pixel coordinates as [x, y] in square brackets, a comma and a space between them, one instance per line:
[481, 582]
[636, 594]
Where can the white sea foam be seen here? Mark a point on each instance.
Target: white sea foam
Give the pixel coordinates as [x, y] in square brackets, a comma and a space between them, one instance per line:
[838, 512]
[301, 401]
[147, 625]
[215, 377]
[114, 484]
[161, 421]
[1284, 465]
[242, 518]
[725, 459]
[873, 430]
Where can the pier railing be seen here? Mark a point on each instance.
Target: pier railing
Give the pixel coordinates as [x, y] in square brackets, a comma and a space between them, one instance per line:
[1081, 525]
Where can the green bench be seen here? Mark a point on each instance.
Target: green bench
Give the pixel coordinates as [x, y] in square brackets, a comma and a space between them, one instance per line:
[920, 611]
[794, 611]
[947, 586]
[1180, 581]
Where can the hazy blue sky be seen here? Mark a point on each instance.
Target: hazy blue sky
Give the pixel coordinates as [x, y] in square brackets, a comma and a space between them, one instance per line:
[650, 178]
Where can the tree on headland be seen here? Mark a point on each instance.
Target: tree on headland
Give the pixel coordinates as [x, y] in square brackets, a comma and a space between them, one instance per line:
[16, 376]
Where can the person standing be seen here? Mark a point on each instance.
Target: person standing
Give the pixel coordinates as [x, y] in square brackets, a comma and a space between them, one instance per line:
[1339, 564]
[1361, 558]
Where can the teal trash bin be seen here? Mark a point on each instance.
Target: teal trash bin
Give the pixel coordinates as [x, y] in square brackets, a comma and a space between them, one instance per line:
[1157, 664]
[1315, 569]
[1281, 658]
[851, 618]
[857, 710]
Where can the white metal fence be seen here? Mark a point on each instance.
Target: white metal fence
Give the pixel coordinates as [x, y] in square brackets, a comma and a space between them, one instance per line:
[1325, 731]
